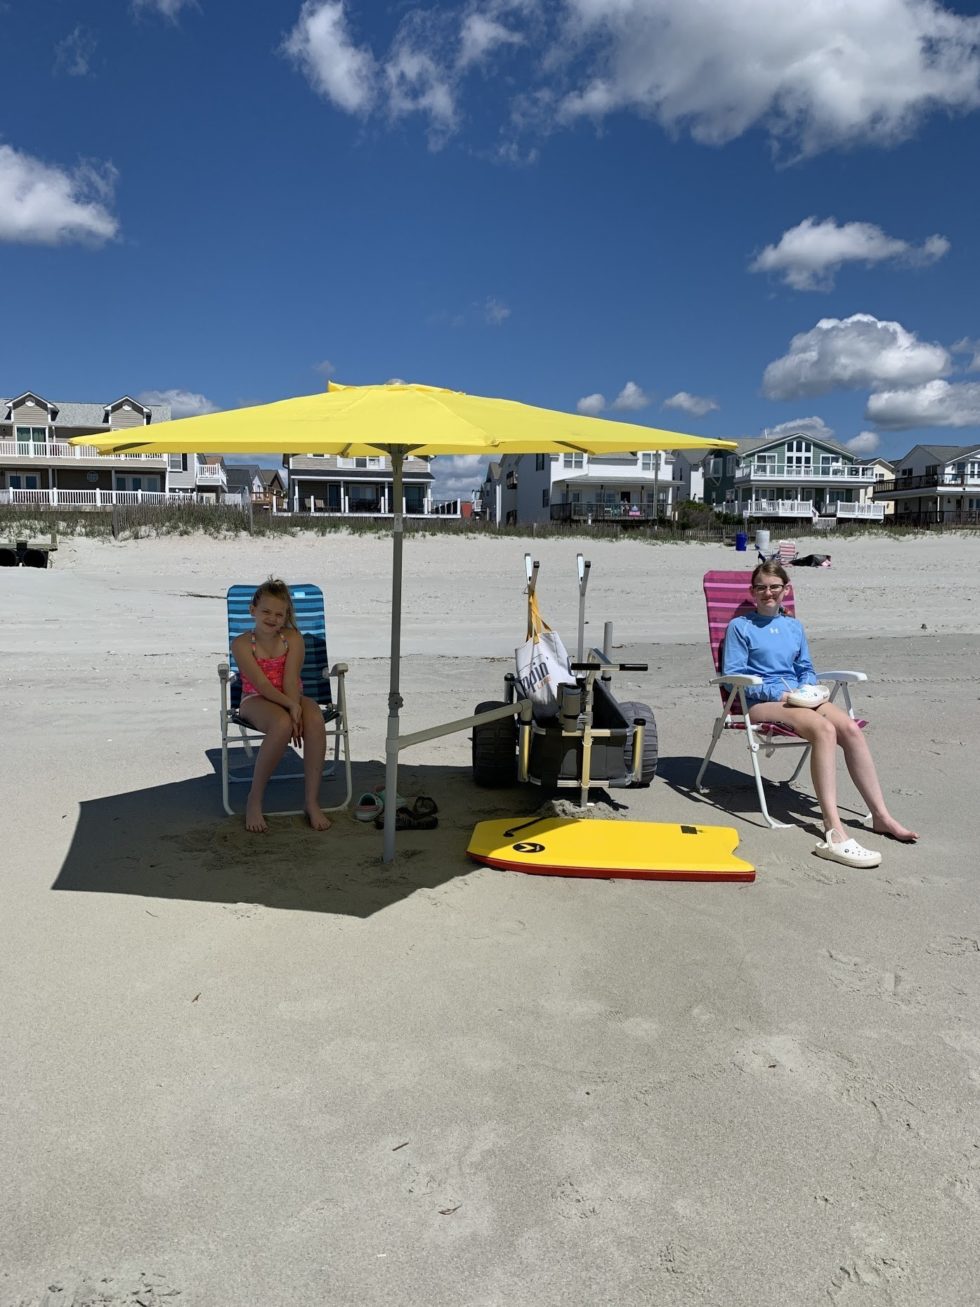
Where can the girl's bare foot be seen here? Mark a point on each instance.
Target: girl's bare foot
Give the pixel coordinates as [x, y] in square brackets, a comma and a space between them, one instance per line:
[254, 818]
[316, 818]
[894, 829]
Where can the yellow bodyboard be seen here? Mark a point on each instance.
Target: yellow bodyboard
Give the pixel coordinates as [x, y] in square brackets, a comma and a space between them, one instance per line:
[610, 850]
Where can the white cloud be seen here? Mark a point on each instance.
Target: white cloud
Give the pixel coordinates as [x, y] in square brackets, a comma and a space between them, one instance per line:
[971, 347]
[73, 54]
[630, 399]
[183, 403]
[865, 444]
[591, 404]
[322, 47]
[815, 428]
[417, 83]
[456, 477]
[324, 367]
[934, 404]
[698, 405]
[816, 73]
[850, 353]
[494, 312]
[166, 8]
[480, 34]
[44, 205]
[808, 256]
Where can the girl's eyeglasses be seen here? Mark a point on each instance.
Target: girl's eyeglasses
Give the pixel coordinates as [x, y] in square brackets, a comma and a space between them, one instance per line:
[762, 589]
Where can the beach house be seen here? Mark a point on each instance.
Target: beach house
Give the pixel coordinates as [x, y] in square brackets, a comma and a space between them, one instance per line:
[38, 466]
[628, 489]
[356, 487]
[793, 478]
[934, 485]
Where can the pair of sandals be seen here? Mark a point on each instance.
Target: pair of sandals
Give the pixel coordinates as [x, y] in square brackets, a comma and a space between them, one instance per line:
[846, 851]
[420, 816]
[371, 804]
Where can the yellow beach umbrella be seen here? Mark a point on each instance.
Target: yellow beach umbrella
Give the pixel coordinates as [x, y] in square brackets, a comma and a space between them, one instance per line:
[397, 420]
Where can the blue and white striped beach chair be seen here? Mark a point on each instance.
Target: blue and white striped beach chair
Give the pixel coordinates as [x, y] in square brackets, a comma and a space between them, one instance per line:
[316, 678]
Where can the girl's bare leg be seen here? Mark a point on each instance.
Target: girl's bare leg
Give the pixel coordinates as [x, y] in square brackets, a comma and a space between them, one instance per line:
[822, 738]
[277, 725]
[314, 752]
[860, 765]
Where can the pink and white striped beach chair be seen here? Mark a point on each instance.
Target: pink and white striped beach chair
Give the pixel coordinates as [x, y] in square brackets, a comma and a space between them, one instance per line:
[727, 594]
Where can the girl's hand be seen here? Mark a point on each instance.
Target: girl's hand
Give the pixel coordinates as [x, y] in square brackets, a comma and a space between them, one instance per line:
[296, 715]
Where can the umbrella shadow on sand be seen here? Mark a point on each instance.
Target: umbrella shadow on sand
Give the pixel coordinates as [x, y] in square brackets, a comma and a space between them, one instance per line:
[174, 842]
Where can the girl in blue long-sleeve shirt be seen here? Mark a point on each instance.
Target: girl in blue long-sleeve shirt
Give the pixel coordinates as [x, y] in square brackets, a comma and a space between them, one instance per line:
[769, 644]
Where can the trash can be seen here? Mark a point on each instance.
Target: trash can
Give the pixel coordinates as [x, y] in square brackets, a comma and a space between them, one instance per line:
[8, 558]
[762, 541]
[35, 558]
[741, 541]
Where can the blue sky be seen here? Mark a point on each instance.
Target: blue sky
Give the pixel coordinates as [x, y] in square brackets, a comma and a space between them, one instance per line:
[716, 216]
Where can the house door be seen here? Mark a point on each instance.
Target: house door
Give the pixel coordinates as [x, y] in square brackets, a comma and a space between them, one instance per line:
[22, 481]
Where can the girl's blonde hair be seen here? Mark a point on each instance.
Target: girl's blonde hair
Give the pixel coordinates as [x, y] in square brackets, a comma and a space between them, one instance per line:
[279, 591]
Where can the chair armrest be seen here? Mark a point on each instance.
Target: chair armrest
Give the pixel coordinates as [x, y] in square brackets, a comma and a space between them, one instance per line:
[224, 672]
[736, 680]
[338, 669]
[841, 676]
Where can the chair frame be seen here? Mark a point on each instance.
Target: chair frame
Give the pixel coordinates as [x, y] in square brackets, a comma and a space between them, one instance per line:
[767, 736]
[334, 709]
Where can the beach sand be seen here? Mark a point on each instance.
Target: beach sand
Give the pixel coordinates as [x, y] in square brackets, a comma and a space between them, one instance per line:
[240, 1070]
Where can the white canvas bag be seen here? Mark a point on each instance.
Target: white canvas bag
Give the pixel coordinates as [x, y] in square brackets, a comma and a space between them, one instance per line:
[542, 663]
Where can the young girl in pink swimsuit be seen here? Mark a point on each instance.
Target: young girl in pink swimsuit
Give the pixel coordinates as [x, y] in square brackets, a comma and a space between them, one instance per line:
[270, 659]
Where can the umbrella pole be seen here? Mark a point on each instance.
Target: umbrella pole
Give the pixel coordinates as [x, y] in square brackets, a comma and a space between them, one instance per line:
[394, 697]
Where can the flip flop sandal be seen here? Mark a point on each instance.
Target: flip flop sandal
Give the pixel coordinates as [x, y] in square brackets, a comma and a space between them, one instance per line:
[369, 806]
[379, 790]
[848, 852]
[424, 806]
[405, 819]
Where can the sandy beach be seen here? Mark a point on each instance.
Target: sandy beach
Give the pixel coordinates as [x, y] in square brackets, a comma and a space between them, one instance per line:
[263, 1071]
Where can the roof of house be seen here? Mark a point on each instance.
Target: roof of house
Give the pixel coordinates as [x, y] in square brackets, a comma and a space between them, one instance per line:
[268, 474]
[752, 444]
[240, 478]
[86, 415]
[945, 453]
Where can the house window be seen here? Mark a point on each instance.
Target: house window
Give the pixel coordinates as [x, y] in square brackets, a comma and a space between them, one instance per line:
[539, 462]
[730, 465]
[148, 483]
[765, 463]
[799, 454]
[33, 435]
[177, 462]
[573, 460]
[22, 480]
[649, 462]
[545, 499]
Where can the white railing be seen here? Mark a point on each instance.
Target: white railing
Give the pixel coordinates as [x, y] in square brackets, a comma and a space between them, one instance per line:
[859, 512]
[99, 498]
[766, 472]
[50, 449]
[209, 472]
[779, 508]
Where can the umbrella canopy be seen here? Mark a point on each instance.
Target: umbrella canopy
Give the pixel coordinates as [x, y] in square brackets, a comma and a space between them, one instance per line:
[395, 419]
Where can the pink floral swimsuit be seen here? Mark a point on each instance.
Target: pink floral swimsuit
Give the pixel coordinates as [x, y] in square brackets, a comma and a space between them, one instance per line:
[273, 668]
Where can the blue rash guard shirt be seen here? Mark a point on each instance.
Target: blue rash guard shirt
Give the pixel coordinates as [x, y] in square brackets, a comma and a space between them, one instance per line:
[774, 648]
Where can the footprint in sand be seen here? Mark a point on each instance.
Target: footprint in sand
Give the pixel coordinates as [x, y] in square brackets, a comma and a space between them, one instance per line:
[865, 1280]
[855, 976]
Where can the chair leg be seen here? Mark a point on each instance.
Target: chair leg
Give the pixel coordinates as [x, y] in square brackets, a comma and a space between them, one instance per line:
[753, 744]
[225, 797]
[804, 754]
[716, 735]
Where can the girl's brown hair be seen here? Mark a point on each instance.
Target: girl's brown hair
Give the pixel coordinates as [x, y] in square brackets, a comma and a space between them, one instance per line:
[770, 568]
[279, 591]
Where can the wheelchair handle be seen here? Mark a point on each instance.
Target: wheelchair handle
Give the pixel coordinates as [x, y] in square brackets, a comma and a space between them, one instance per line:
[595, 667]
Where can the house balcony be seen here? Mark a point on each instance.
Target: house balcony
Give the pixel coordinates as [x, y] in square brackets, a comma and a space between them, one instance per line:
[592, 511]
[854, 475]
[52, 452]
[945, 483]
[806, 510]
[209, 475]
[85, 499]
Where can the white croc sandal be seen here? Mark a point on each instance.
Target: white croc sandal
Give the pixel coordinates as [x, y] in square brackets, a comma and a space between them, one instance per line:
[849, 852]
